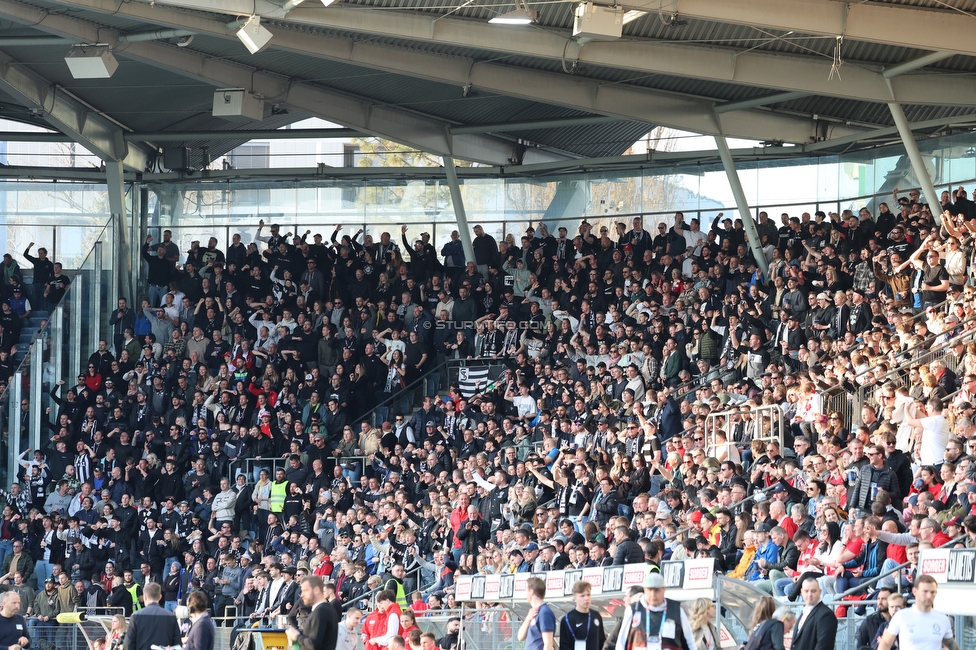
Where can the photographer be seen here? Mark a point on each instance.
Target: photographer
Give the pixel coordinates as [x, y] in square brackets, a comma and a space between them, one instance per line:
[473, 533]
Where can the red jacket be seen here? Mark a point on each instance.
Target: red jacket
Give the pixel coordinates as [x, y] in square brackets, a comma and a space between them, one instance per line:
[458, 515]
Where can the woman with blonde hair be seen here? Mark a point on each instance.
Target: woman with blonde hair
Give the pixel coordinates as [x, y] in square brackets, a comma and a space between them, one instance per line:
[969, 359]
[701, 615]
[116, 635]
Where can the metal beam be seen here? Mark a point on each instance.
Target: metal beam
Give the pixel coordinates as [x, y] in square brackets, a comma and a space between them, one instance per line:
[915, 64]
[807, 74]
[32, 41]
[243, 134]
[918, 165]
[235, 7]
[416, 130]
[154, 35]
[778, 98]
[745, 213]
[890, 130]
[874, 22]
[619, 100]
[28, 136]
[59, 108]
[556, 123]
[460, 215]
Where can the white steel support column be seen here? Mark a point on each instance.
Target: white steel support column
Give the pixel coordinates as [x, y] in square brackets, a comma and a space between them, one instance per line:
[95, 332]
[459, 214]
[36, 391]
[121, 280]
[74, 340]
[13, 424]
[752, 235]
[918, 165]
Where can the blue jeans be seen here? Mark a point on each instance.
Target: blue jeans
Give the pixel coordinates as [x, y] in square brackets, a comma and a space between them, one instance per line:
[380, 415]
[352, 474]
[433, 382]
[171, 605]
[6, 548]
[42, 571]
[156, 294]
[781, 586]
[888, 582]
[847, 582]
[35, 636]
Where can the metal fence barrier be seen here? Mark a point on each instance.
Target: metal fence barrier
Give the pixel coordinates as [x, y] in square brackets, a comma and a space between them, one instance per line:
[764, 423]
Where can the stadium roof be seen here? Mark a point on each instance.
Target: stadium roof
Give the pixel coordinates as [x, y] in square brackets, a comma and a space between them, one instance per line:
[437, 76]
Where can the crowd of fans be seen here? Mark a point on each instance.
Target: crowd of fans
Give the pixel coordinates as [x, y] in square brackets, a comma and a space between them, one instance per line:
[283, 408]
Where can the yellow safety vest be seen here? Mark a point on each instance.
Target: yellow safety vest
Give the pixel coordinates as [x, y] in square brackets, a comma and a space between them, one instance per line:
[401, 596]
[134, 592]
[279, 492]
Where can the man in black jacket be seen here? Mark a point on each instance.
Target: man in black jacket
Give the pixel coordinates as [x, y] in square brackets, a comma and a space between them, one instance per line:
[628, 551]
[152, 625]
[900, 464]
[726, 544]
[816, 628]
[873, 477]
[868, 629]
[321, 628]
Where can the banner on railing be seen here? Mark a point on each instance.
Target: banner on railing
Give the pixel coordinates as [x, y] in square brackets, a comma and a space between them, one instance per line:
[949, 565]
[684, 579]
[955, 571]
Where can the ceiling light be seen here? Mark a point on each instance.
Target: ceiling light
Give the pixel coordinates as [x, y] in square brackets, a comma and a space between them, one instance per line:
[328, 2]
[633, 15]
[91, 62]
[520, 16]
[253, 35]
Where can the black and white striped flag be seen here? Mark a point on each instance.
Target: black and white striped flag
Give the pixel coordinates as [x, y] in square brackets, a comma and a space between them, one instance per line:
[472, 380]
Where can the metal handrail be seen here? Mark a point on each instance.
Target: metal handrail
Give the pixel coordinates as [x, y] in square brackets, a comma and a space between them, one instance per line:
[368, 415]
[768, 410]
[923, 346]
[892, 571]
[862, 389]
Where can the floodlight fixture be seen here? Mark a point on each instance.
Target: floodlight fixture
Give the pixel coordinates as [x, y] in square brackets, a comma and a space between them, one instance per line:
[254, 36]
[91, 61]
[521, 15]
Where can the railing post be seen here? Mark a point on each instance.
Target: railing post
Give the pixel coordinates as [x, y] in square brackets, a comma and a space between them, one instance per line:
[36, 390]
[57, 348]
[96, 299]
[77, 304]
[13, 423]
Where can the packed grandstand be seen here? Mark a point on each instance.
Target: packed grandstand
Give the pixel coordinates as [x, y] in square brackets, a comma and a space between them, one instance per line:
[294, 406]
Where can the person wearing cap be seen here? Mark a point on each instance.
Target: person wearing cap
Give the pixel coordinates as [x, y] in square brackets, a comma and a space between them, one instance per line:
[45, 607]
[655, 622]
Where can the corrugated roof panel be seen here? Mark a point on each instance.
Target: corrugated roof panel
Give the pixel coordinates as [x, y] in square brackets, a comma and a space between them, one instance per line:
[142, 96]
